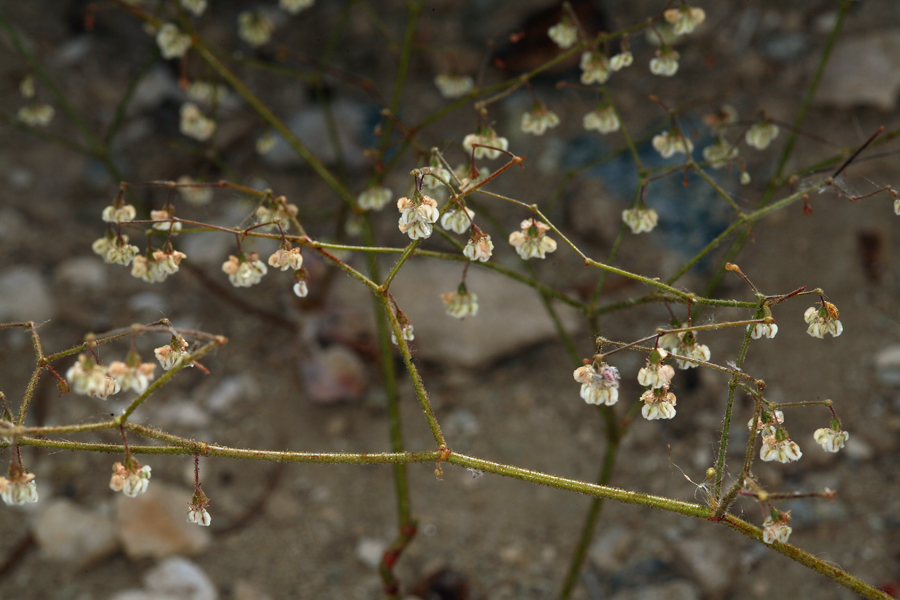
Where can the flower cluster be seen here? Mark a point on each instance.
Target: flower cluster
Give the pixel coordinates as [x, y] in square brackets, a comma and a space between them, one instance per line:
[775, 527]
[286, 258]
[244, 271]
[763, 329]
[88, 378]
[195, 124]
[479, 247]
[115, 249]
[195, 6]
[621, 60]
[719, 153]
[670, 142]
[665, 63]
[761, 135]
[684, 19]
[172, 43]
[132, 374]
[277, 214]
[538, 120]
[457, 219]
[656, 374]
[595, 67]
[461, 303]
[207, 92]
[118, 213]
[659, 403]
[640, 220]
[485, 136]
[197, 512]
[131, 478]
[157, 266]
[599, 383]
[255, 27]
[823, 320]
[165, 223]
[172, 353]
[20, 488]
[778, 446]
[417, 215]
[36, 114]
[532, 241]
[688, 347]
[831, 438]
[454, 86]
[374, 198]
[564, 34]
[603, 119]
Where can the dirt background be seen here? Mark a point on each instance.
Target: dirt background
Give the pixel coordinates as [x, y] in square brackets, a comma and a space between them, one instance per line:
[305, 531]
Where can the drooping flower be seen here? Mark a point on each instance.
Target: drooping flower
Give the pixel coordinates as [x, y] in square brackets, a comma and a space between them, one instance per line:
[172, 43]
[684, 19]
[406, 329]
[374, 198]
[767, 423]
[295, 6]
[88, 378]
[195, 124]
[640, 220]
[255, 27]
[131, 478]
[195, 6]
[719, 153]
[621, 60]
[594, 67]
[301, 290]
[665, 63]
[197, 512]
[777, 528]
[121, 213]
[454, 86]
[688, 347]
[116, 250]
[26, 86]
[132, 374]
[20, 488]
[157, 266]
[603, 119]
[485, 136]
[656, 374]
[659, 403]
[670, 142]
[761, 134]
[36, 114]
[831, 439]
[779, 447]
[599, 383]
[276, 215]
[172, 353]
[461, 303]
[532, 240]
[763, 329]
[165, 218]
[564, 34]
[823, 320]
[286, 258]
[538, 120]
[479, 247]
[417, 215]
[457, 219]
[244, 271]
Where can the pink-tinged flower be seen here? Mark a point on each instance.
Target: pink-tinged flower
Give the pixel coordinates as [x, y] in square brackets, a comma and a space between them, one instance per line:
[684, 19]
[131, 479]
[134, 374]
[823, 320]
[20, 488]
[286, 258]
[244, 272]
[830, 439]
[172, 353]
[656, 374]
[659, 403]
[165, 221]
[485, 136]
[417, 215]
[532, 241]
[777, 528]
[479, 247]
[599, 383]
[461, 303]
[783, 450]
[88, 378]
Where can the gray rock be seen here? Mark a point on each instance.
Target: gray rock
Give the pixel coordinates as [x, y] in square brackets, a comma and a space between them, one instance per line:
[887, 365]
[155, 524]
[611, 548]
[712, 562]
[24, 296]
[83, 273]
[333, 374]
[180, 579]
[69, 533]
[863, 70]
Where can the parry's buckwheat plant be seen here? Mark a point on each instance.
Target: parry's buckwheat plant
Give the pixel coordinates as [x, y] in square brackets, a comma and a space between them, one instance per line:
[338, 227]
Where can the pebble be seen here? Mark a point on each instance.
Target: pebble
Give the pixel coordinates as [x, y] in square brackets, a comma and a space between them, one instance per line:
[712, 562]
[333, 374]
[83, 273]
[24, 296]
[863, 70]
[69, 533]
[887, 365]
[611, 548]
[175, 578]
[155, 523]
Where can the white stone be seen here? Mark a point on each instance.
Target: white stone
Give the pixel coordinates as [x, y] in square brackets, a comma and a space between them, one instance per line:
[70, 533]
[155, 523]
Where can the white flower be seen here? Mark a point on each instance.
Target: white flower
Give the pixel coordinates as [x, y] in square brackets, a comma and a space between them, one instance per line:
[594, 68]
[199, 515]
[669, 142]
[897, 206]
[194, 124]
[417, 215]
[36, 114]
[767, 423]
[784, 451]
[621, 60]
[294, 7]
[172, 43]
[640, 220]
[830, 439]
[656, 374]
[485, 136]
[602, 119]
[255, 27]
[137, 377]
[564, 34]
[745, 178]
[374, 198]
[658, 404]
[429, 181]
[286, 258]
[171, 354]
[457, 219]
[684, 19]
[119, 251]
[88, 378]
[454, 86]
[599, 383]
[532, 241]
[719, 153]
[300, 288]
[763, 329]
[195, 6]
[406, 331]
[665, 63]
[157, 267]
[166, 224]
[19, 490]
[131, 481]
[167, 262]
[777, 530]
[688, 347]
[539, 120]
[761, 135]
[823, 320]
[206, 92]
[119, 214]
[244, 272]
[479, 247]
[279, 215]
[461, 303]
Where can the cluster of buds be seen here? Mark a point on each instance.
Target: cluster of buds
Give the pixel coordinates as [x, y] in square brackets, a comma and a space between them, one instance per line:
[172, 43]
[823, 320]
[595, 67]
[485, 136]
[599, 383]
[417, 215]
[195, 124]
[684, 19]
[461, 303]
[532, 240]
[20, 488]
[538, 120]
[670, 142]
[564, 33]
[131, 478]
[761, 134]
